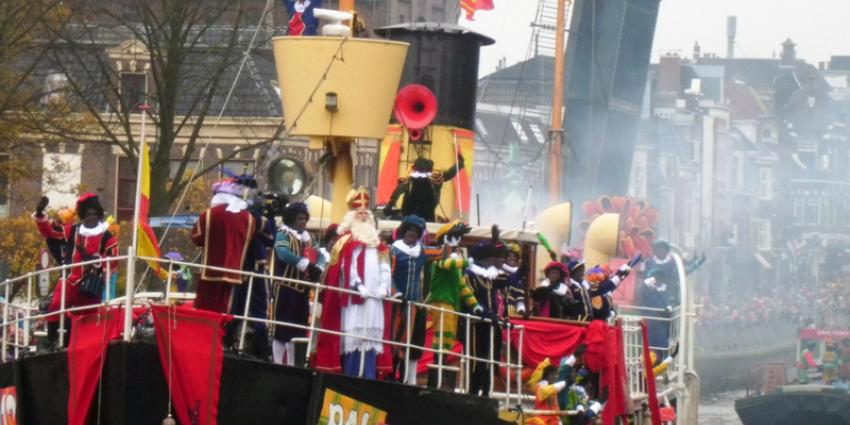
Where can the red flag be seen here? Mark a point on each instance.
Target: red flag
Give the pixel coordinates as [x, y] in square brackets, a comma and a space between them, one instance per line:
[86, 356]
[470, 6]
[650, 377]
[192, 354]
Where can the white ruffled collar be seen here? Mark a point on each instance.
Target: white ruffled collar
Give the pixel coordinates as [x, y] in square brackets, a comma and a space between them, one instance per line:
[509, 269]
[488, 273]
[234, 203]
[664, 260]
[302, 236]
[412, 251]
[94, 231]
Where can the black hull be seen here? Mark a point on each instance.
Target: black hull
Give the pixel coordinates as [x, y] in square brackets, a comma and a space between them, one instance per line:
[796, 405]
[252, 392]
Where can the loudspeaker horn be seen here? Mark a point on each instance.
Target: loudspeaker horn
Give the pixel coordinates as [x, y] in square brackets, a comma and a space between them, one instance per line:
[415, 108]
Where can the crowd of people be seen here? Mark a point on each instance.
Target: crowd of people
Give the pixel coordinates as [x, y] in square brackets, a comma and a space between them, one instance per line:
[360, 269]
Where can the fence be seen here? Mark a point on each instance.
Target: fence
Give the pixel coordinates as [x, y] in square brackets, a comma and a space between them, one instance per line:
[19, 317]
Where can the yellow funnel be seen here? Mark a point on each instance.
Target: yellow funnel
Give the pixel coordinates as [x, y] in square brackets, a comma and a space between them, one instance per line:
[554, 223]
[362, 75]
[601, 240]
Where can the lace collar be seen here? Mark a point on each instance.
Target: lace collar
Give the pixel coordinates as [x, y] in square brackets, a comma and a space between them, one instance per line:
[412, 251]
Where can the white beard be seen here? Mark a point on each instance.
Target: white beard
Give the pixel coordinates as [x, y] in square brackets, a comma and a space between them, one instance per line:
[365, 232]
[362, 231]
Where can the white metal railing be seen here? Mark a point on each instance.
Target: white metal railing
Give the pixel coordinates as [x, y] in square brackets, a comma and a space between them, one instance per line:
[15, 314]
[19, 317]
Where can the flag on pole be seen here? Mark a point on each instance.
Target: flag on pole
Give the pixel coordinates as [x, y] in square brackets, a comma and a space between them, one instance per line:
[148, 245]
[470, 6]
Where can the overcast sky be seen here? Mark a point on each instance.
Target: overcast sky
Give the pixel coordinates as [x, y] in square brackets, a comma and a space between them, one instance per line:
[820, 28]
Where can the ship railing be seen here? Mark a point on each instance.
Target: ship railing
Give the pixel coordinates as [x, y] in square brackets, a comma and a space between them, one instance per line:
[24, 314]
[633, 346]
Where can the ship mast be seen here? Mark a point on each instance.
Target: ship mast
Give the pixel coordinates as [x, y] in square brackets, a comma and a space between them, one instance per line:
[556, 129]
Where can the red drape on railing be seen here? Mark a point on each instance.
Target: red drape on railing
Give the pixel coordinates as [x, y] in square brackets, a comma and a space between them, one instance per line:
[189, 341]
[604, 354]
[86, 356]
[650, 376]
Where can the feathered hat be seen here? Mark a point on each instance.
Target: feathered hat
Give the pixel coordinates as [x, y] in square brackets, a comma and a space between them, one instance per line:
[537, 375]
[412, 221]
[457, 226]
[87, 201]
[555, 265]
[292, 210]
[598, 274]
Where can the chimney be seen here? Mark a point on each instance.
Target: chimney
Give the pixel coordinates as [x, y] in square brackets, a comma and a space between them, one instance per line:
[670, 75]
[731, 32]
[789, 54]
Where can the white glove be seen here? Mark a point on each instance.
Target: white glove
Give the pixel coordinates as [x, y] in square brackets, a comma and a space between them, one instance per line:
[595, 407]
[478, 310]
[318, 307]
[561, 289]
[580, 408]
[361, 288]
[650, 282]
[452, 241]
[520, 307]
[454, 256]
[569, 361]
[543, 284]
[624, 269]
[667, 360]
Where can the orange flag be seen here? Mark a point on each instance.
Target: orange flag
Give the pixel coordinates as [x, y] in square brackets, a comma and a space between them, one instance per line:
[148, 245]
[470, 6]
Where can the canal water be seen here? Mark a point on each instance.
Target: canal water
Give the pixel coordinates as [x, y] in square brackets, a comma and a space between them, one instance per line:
[719, 409]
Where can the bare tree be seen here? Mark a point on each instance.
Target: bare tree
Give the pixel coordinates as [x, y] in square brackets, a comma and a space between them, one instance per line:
[188, 52]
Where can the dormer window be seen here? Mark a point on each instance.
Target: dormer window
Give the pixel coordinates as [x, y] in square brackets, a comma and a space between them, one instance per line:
[133, 89]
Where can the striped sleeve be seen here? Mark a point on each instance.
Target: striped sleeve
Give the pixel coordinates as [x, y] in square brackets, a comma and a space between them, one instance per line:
[467, 297]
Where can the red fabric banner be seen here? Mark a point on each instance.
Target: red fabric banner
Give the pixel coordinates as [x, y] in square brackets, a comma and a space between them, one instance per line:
[189, 341]
[650, 377]
[544, 339]
[604, 354]
[86, 356]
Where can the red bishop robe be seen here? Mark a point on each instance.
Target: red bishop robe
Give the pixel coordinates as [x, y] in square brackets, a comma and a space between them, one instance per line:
[328, 347]
[225, 237]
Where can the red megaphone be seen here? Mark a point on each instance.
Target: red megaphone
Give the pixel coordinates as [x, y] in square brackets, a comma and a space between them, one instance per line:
[415, 108]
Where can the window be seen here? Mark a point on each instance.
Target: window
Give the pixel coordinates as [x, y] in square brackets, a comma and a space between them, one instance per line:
[799, 210]
[61, 178]
[125, 190]
[765, 183]
[763, 236]
[737, 177]
[133, 90]
[55, 85]
[4, 185]
[812, 211]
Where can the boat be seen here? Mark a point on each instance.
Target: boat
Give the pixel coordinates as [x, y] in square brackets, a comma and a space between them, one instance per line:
[124, 364]
[808, 399]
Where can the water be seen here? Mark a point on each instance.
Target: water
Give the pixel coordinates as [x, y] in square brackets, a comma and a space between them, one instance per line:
[719, 409]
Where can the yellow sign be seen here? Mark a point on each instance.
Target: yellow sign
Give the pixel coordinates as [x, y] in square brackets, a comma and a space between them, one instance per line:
[338, 409]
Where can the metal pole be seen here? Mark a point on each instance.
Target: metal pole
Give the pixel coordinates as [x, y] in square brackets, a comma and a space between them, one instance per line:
[131, 251]
[440, 353]
[5, 319]
[108, 280]
[128, 295]
[509, 368]
[519, 364]
[492, 352]
[556, 129]
[62, 307]
[27, 316]
[407, 346]
[169, 280]
[313, 319]
[466, 346]
[245, 313]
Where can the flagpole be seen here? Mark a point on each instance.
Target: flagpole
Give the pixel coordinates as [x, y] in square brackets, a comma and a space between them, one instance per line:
[131, 251]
